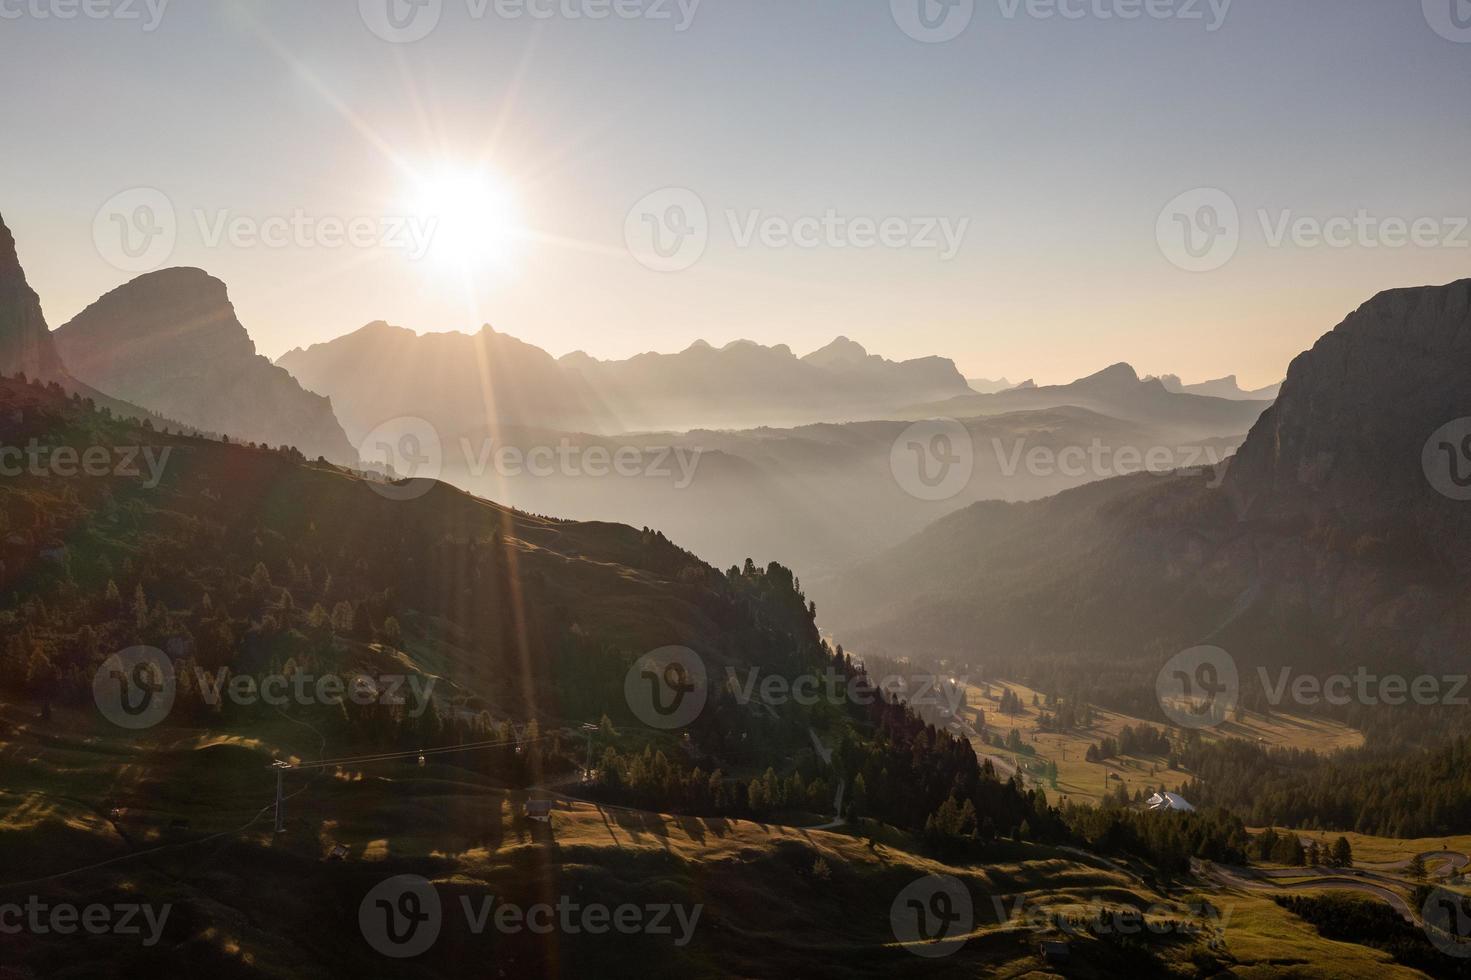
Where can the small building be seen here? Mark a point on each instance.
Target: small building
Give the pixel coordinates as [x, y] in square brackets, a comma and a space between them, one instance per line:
[539, 810]
[1055, 952]
[1160, 802]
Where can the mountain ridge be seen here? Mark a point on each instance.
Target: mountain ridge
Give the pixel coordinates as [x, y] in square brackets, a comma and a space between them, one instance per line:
[171, 340]
[1323, 542]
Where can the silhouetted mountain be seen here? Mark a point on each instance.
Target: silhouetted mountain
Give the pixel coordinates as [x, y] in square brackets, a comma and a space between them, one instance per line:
[745, 384]
[1227, 387]
[987, 386]
[25, 341]
[28, 347]
[1116, 391]
[456, 381]
[810, 493]
[1326, 541]
[462, 382]
[170, 341]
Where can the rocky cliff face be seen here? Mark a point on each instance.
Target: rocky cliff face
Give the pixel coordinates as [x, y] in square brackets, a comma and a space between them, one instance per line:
[1340, 534]
[25, 341]
[1350, 432]
[171, 342]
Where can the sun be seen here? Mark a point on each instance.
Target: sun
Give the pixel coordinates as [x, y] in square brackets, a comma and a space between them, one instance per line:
[472, 220]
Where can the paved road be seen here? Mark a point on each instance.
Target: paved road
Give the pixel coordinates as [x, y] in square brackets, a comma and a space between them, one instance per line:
[1449, 861]
[1253, 879]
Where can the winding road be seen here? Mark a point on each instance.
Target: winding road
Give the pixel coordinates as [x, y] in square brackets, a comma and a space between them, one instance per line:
[1371, 879]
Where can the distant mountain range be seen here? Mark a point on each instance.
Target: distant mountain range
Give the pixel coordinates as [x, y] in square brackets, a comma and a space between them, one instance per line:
[1327, 541]
[170, 341]
[1116, 391]
[810, 493]
[1227, 387]
[461, 381]
[988, 386]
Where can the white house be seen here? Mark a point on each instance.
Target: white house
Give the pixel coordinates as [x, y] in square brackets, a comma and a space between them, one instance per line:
[1169, 801]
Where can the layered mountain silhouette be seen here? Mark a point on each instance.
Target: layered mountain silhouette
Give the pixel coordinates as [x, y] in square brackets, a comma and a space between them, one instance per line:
[810, 493]
[25, 341]
[1116, 391]
[988, 386]
[744, 384]
[1328, 540]
[462, 381]
[28, 347]
[171, 341]
[456, 381]
[1227, 387]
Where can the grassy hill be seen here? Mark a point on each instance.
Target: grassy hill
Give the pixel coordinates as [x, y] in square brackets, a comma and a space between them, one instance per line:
[775, 899]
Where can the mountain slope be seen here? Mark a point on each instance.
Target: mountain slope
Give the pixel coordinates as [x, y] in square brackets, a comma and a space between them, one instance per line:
[170, 341]
[25, 342]
[1227, 387]
[1326, 542]
[744, 384]
[1117, 391]
[456, 381]
[462, 382]
[28, 347]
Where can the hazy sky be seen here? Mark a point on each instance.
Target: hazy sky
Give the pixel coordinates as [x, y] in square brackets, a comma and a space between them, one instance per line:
[1053, 142]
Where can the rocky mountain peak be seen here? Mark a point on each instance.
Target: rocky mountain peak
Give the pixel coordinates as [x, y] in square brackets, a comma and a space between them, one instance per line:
[25, 342]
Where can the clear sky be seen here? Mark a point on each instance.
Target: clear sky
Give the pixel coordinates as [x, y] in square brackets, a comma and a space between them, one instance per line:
[1059, 140]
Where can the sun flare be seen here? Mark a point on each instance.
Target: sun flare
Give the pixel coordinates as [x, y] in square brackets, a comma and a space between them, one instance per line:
[473, 221]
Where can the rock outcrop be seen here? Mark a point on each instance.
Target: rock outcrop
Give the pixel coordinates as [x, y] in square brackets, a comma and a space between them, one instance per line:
[171, 342]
